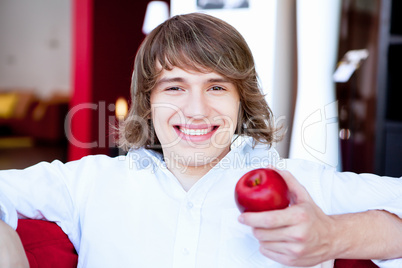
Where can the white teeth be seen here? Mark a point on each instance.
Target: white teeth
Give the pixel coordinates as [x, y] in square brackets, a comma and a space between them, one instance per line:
[195, 132]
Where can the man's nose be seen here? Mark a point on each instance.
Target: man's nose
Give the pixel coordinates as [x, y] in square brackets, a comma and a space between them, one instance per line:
[196, 105]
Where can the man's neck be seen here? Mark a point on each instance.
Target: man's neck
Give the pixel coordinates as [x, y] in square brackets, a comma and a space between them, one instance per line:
[189, 175]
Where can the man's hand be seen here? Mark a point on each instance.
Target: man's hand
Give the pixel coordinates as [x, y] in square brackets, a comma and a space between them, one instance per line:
[12, 254]
[300, 235]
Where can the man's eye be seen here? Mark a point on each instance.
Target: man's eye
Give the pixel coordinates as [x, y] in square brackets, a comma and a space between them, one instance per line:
[217, 88]
[174, 88]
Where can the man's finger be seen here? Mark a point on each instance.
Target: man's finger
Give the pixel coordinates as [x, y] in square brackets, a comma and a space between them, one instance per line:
[269, 219]
[297, 191]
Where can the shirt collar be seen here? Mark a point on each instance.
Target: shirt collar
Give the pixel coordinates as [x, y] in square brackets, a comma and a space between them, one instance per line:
[244, 152]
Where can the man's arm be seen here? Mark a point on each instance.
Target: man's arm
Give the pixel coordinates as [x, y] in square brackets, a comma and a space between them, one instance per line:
[12, 254]
[373, 234]
[303, 235]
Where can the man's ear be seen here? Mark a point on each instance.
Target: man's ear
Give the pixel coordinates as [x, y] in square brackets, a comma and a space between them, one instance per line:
[149, 115]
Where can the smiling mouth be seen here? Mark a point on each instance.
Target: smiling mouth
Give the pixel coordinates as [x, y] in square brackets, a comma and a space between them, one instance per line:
[196, 131]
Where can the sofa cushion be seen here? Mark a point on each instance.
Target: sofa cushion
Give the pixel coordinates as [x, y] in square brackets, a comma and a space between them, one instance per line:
[46, 245]
[343, 263]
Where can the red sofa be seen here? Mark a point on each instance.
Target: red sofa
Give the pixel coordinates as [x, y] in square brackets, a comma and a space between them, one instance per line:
[47, 246]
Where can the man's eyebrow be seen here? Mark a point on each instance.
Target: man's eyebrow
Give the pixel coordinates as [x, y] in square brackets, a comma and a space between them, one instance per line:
[170, 80]
[219, 80]
[181, 79]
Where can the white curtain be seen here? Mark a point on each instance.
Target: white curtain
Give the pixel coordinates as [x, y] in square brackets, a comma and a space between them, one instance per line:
[315, 126]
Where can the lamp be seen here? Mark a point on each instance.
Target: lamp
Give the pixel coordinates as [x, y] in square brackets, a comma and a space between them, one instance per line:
[156, 13]
[121, 108]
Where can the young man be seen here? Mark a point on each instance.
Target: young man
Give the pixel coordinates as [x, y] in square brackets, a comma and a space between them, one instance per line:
[197, 124]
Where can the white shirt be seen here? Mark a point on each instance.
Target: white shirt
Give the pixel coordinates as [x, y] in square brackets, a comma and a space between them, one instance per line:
[132, 212]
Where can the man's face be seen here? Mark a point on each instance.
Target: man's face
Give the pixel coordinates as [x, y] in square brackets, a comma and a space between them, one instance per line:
[194, 115]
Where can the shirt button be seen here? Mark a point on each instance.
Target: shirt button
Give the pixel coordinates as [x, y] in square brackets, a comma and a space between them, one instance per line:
[185, 251]
[190, 205]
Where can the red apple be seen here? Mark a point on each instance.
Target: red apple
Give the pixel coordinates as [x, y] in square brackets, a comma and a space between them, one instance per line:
[261, 189]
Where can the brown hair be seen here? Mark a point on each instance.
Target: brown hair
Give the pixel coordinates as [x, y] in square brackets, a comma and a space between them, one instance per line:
[198, 42]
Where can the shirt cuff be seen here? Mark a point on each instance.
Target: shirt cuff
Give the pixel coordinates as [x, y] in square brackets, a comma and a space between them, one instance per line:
[392, 263]
[7, 213]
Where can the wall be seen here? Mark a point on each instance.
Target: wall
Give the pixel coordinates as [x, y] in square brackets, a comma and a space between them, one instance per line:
[35, 50]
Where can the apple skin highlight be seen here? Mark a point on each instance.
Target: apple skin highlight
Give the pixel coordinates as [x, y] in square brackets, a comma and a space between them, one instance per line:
[261, 189]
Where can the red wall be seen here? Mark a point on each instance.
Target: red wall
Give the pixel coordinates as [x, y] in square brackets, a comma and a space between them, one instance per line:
[106, 36]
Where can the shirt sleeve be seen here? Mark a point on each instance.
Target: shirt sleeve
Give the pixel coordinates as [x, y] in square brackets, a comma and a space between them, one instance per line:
[347, 192]
[394, 263]
[56, 191]
[47, 191]
[8, 214]
[353, 193]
